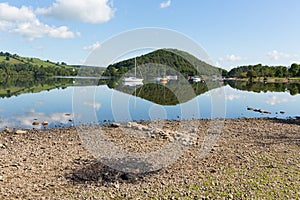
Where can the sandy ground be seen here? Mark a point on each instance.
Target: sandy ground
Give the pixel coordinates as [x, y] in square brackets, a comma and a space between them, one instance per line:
[250, 159]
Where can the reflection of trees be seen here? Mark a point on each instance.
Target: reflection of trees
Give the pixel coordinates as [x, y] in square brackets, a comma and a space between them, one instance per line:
[175, 92]
[157, 93]
[15, 86]
[293, 88]
[171, 94]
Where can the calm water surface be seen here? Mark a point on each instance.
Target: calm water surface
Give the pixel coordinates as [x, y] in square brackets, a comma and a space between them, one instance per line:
[56, 105]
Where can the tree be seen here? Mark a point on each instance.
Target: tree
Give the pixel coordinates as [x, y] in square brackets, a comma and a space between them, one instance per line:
[279, 72]
[294, 70]
[224, 73]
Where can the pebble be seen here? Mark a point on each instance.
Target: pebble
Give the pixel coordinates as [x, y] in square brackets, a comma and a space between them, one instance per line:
[20, 132]
[45, 123]
[178, 177]
[35, 123]
[114, 125]
[6, 130]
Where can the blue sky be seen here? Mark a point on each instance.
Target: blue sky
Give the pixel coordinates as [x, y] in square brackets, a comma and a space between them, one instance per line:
[233, 32]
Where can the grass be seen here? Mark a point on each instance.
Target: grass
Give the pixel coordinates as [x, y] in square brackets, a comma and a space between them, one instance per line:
[258, 182]
[33, 61]
[266, 176]
[11, 60]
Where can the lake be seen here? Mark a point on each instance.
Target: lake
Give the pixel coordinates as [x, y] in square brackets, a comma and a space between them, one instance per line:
[65, 102]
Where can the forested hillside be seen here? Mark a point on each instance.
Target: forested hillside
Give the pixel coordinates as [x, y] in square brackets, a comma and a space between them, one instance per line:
[17, 66]
[181, 61]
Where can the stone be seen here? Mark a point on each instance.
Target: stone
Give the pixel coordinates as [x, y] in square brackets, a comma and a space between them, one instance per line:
[6, 130]
[35, 123]
[115, 125]
[45, 123]
[128, 125]
[132, 124]
[267, 112]
[145, 128]
[20, 132]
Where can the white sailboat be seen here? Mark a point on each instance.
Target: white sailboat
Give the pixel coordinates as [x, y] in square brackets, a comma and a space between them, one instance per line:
[133, 79]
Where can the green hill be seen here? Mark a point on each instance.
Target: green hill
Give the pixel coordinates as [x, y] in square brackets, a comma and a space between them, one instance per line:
[16, 59]
[13, 66]
[183, 62]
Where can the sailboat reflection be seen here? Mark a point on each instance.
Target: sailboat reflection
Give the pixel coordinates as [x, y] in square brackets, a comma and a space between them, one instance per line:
[132, 84]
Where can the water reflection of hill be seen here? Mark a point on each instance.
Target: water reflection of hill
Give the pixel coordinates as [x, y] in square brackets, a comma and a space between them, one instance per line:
[292, 88]
[15, 86]
[172, 93]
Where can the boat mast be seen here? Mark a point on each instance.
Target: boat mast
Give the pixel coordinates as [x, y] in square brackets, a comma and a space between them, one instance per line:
[135, 66]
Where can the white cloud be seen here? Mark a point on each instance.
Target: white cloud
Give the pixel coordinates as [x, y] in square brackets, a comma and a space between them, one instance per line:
[33, 30]
[273, 100]
[6, 123]
[24, 22]
[11, 13]
[91, 11]
[93, 105]
[231, 58]
[29, 116]
[60, 32]
[92, 47]
[4, 25]
[39, 103]
[38, 47]
[276, 55]
[218, 64]
[231, 97]
[165, 4]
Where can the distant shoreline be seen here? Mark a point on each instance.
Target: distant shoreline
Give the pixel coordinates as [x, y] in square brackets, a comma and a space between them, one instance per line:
[268, 80]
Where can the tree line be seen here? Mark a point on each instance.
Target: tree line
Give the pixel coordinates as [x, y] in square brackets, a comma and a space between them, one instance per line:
[259, 70]
[292, 88]
[182, 62]
[28, 69]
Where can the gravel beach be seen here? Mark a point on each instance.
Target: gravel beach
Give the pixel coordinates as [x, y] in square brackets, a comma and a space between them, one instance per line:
[250, 159]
